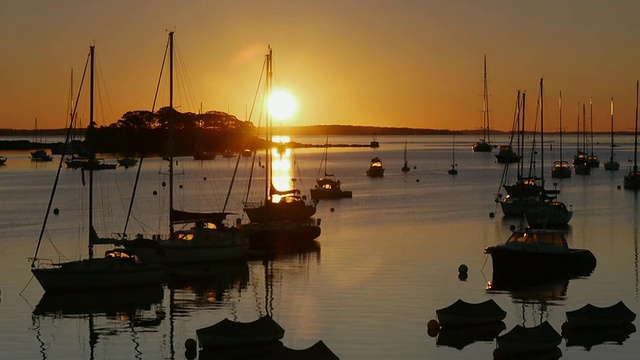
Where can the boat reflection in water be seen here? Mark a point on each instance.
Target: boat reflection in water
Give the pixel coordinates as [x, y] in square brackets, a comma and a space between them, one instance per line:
[534, 338]
[196, 286]
[260, 337]
[593, 325]
[460, 337]
[128, 311]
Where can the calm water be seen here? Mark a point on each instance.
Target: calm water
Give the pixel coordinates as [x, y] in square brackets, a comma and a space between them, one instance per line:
[388, 257]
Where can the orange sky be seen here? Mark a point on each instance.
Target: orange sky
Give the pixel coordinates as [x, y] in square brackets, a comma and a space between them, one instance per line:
[377, 62]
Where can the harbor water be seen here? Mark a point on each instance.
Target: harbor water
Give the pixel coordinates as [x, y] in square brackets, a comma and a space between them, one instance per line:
[386, 260]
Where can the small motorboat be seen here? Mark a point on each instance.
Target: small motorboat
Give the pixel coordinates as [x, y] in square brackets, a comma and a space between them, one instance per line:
[595, 316]
[462, 313]
[328, 188]
[375, 168]
[538, 255]
[127, 161]
[41, 155]
[522, 340]
[204, 155]
[506, 155]
[232, 333]
[3, 160]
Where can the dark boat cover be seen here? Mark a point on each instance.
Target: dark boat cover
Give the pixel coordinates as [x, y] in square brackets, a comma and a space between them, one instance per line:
[462, 309]
[228, 332]
[590, 315]
[539, 337]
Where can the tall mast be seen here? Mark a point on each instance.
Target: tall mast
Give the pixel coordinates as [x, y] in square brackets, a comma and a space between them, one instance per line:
[584, 129]
[91, 153]
[578, 131]
[541, 133]
[268, 85]
[635, 142]
[591, 120]
[611, 129]
[522, 112]
[486, 103]
[170, 132]
[560, 110]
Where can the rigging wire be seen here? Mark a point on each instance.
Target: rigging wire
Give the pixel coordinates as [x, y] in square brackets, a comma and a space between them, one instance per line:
[57, 178]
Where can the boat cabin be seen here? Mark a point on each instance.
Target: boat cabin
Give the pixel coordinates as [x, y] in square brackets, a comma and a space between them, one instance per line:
[548, 241]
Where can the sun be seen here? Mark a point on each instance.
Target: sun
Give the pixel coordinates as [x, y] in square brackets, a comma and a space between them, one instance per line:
[282, 105]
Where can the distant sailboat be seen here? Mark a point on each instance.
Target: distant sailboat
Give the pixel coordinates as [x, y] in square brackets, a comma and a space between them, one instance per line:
[327, 187]
[592, 160]
[580, 166]
[611, 164]
[40, 154]
[560, 167]
[632, 179]
[453, 170]
[484, 144]
[406, 167]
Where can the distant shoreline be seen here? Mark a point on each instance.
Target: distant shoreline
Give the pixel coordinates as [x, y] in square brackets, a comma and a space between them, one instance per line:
[316, 130]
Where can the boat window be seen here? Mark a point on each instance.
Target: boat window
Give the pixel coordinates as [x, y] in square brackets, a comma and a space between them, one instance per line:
[519, 237]
[185, 237]
[532, 239]
[210, 226]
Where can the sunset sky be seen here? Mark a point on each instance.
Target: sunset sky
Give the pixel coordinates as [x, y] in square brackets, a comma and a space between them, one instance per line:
[411, 63]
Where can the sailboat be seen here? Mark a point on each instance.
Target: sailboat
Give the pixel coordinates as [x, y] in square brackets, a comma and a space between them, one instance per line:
[208, 238]
[632, 179]
[611, 165]
[525, 190]
[278, 205]
[524, 186]
[560, 169]
[283, 215]
[118, 269]
[528, 196]
[405, 167]
[592, 159]
[580, 166]
[326, 186]
[547, 211]
[453, 170]
[40, 154]
[484, 144]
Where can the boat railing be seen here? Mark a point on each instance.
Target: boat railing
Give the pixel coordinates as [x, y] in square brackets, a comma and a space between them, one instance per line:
[41, 263]
[119, 238]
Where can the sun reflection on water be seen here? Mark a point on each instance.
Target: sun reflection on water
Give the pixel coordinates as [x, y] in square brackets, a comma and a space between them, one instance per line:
[282, 166]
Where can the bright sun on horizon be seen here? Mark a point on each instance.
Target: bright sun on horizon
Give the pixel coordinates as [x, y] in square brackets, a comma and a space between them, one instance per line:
[282, 105]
